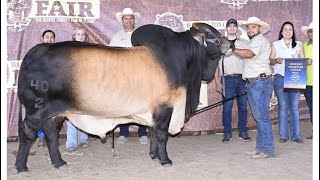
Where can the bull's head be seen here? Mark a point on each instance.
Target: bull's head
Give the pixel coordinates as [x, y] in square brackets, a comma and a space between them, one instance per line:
[211, 38]
[215, 44]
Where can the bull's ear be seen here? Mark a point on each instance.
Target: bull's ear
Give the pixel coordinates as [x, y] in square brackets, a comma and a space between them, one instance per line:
[197, 25]
[200, 37]
[206, 29]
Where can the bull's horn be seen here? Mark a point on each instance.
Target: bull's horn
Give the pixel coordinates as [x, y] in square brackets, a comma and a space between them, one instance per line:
[206, 28]
[200, 37]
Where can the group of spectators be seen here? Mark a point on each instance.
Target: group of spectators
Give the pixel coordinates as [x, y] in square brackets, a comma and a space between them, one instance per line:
[255, 68]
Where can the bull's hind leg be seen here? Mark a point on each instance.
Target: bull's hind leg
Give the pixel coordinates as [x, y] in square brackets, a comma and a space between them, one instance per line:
[153, 145]
[51, 129]
[161, 116]
[26, 137]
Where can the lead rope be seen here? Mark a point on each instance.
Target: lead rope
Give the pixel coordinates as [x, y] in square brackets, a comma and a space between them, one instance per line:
[223, 93]
[223, 80]
[218, 103]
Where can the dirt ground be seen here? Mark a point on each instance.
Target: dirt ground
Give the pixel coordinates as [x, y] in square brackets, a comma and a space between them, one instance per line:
[194, 157]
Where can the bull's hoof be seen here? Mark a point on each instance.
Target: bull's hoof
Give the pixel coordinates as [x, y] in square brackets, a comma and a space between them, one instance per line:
[58, 165]
[154, 157]
[22, 169]
[62, 168]
[166, 163]
[103, 140]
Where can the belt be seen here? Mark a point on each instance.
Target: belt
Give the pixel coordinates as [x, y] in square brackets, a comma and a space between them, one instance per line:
[278, 76]
[261, 76]
[234, 75]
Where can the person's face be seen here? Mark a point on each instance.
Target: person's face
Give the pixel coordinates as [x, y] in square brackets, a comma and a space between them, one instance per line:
[310, 33]
[253, 30]
[232, 29]
[80, 35]
[128, 22]
[287, 31]
[48, 38]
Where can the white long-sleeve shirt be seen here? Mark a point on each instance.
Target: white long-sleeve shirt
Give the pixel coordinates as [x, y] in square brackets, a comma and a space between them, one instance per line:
[121, 39]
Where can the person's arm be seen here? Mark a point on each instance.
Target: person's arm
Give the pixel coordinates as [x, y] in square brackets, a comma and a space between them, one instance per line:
[217, 81]
[301, 52]
[272, 57]
[115, 40]
[112, 42]
[309, 61]
[244, 53]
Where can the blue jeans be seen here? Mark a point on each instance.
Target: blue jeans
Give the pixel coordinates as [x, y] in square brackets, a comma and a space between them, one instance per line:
[124, 130]
[75, 136]
[288, 101]
[308, 95]
[259, 95]
[41, 134]
[234, 86]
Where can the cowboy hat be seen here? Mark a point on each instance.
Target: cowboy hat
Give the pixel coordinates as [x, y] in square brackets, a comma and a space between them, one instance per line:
[127, 11]
[265, 27]
[305, 29]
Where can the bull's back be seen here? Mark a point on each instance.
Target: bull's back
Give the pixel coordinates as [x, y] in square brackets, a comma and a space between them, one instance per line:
[94, 78]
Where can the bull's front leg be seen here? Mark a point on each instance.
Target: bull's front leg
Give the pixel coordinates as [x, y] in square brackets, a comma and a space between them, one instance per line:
[51, 129]
[162, 118]
[26, 138]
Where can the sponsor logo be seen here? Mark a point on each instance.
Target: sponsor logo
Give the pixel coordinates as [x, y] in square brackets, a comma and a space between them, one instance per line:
[235, 4]
[172, 21]
[18, 12]
[21, 12]
[295, 77]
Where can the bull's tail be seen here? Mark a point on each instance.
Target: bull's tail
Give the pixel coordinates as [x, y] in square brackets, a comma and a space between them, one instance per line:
[20, 119]
[20, 115]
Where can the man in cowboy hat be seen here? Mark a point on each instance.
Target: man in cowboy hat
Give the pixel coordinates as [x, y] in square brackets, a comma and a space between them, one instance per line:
[307, 47]
[127, 18]
[232, 84]
[257, 73]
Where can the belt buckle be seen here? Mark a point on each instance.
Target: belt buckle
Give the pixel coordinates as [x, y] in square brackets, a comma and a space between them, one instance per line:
[263, 75]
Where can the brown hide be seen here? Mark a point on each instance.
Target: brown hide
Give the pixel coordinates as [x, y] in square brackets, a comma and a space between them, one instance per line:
[119, 81]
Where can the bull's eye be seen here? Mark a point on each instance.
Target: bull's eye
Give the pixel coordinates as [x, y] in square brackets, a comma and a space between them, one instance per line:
[215, 41]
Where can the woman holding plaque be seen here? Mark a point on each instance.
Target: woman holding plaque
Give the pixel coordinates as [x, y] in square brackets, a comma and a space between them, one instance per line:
[288, 99]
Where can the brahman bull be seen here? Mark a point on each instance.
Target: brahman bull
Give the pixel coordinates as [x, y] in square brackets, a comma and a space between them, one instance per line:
[155, 83]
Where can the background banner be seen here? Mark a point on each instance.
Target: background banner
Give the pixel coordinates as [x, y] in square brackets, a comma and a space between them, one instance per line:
[27, 19]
